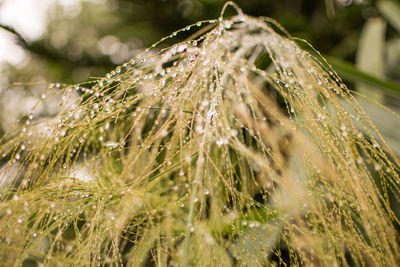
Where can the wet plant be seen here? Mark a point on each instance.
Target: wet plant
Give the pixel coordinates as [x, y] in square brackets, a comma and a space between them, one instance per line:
[234, 147]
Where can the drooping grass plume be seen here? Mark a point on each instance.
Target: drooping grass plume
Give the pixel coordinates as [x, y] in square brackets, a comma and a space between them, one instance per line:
[233, 147]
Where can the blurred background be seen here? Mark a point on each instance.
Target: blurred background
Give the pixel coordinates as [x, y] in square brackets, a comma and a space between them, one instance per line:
[72, 41]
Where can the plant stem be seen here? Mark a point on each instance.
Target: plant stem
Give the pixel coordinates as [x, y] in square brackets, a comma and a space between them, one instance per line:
[189, 223]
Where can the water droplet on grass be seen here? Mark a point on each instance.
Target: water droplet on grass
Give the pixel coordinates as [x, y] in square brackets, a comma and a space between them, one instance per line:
[8, 211]
[377, 167]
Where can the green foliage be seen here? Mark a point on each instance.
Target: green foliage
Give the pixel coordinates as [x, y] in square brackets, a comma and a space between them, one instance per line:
[390, 10]
[351, 73]
[197, 154]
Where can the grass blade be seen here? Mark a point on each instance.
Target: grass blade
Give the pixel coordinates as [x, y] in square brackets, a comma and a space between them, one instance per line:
[349, 71]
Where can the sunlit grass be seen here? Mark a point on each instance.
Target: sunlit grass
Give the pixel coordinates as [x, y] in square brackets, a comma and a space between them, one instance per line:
[230, 148]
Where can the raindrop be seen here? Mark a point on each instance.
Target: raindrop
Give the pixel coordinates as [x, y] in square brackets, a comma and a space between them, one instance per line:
[164, 133]
[111, 144]
[234, 132]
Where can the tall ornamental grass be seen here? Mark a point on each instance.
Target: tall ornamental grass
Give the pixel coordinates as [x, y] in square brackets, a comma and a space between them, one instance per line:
[235, 147]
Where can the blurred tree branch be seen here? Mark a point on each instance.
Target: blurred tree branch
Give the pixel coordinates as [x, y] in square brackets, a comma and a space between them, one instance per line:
[40, 49]
[20, 39]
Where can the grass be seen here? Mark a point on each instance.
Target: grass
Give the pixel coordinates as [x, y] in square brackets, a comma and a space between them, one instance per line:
[232, 147]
